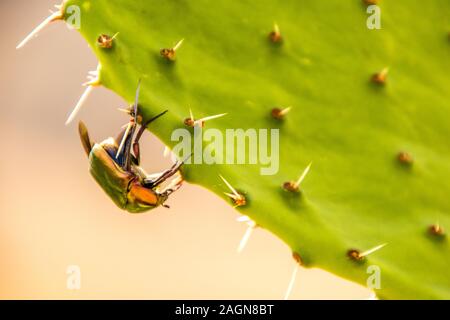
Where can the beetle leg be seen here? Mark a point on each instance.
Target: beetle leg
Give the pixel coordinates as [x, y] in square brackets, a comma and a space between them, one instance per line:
[121, 134]
[137, 152]
[84, 136]
[127, 151]
[166, 174]
[151, 183]
[119, 140]
[171, 188]
[174, 186]
[123, 155]
[129, 138]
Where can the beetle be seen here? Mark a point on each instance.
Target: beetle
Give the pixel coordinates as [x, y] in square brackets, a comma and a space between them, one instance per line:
[116, 167]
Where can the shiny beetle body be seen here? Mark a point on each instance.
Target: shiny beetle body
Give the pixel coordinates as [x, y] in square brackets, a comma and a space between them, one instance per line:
[116, 169]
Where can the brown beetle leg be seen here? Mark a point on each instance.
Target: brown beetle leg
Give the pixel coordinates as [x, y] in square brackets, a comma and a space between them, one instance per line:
[84, 136]
[137, 152]
[151, 183]
[174, 186]
[127, 149]
[123, 156]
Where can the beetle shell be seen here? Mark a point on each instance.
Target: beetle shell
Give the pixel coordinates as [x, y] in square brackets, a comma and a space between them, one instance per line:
[124, 188]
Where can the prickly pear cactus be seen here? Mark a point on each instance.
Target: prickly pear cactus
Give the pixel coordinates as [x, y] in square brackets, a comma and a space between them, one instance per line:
[378, 140]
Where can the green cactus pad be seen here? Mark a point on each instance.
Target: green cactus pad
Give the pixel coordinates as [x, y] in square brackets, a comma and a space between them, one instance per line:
[359, 192]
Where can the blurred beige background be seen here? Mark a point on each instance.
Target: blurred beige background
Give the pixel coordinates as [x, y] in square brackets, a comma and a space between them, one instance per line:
[53, 215]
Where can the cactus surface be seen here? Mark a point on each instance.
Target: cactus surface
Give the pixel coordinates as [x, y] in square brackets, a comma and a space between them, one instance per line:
[379, 145]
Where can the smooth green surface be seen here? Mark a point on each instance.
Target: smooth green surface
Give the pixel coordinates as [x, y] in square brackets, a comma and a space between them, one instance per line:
[356, 195]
